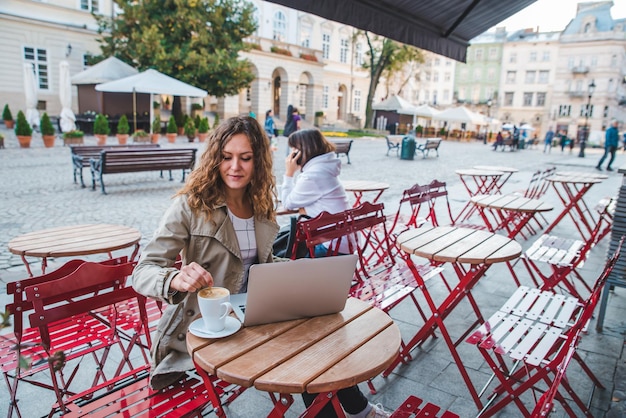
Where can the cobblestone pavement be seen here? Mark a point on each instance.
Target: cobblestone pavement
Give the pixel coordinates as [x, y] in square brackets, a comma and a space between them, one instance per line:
[38, 192]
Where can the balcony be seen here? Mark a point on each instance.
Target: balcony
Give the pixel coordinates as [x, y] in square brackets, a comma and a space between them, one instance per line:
[580, 69]
[578, 93]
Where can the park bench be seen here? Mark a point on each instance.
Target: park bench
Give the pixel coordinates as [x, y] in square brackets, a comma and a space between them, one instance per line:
[343, 147]
[430, 144]
[508, 142]
[141, 159]
[394, 142]
[81, 154]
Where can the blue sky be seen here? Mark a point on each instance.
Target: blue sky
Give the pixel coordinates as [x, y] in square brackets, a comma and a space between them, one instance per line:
[553, 15]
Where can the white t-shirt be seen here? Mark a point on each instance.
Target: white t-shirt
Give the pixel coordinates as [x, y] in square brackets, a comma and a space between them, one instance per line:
[244, 228]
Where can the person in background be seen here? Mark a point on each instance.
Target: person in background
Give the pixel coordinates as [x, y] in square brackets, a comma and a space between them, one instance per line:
[624, 149]
[611, 142]
[563, 140]
[548, 140]
[270, 129]
[221, 222]
[499, 141]
[317, 188]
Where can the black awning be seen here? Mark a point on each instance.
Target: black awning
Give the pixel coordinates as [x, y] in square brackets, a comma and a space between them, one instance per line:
[441, 26]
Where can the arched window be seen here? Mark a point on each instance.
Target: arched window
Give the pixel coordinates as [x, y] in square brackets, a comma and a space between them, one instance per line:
[279, 26]
[587, 27]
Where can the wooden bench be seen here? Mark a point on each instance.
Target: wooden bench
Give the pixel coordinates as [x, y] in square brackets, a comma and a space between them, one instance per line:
[141, 159]
[394, 142]
[81, 154]
[510, 143]
[343, 147]
[430, 144]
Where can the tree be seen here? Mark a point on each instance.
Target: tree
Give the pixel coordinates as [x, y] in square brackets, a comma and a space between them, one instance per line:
[196, 41]
[385, 57]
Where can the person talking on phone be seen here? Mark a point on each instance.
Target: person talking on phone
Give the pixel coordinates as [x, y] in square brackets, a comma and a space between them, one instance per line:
[315, 189]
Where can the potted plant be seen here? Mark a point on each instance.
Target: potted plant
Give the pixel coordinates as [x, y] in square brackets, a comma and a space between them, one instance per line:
[181, 120]
[319, 118]
[190, 129]
[419, 129]
[122, 130]
[101, 128]
[197, 108]
[1, 141]
[73, 137]
[7, 117]
[47, 131]
[141, 136]
[23, 130]
[156, 130]
[172, 130]
[203, 129]
[216, 121]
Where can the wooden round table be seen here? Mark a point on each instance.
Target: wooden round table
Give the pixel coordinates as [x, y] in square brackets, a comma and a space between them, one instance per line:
[319, 355]
[76, 240]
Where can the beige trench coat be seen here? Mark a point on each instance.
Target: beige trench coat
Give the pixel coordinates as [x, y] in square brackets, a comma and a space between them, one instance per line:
[214, 247]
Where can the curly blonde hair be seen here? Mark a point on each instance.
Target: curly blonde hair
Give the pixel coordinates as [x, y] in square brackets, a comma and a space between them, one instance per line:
[205, 188]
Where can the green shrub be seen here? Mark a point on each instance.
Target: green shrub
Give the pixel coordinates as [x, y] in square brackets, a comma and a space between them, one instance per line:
[172, 128]
[197, 120]
[73, 134]
[101, 125]
[203, 126]
[22, 128]
[216, 121]
[180, 120]
[190, 128]
[156, 126]
[140, 133]
[6, 113]
[419, 129]
[46, 125]
[122, 126]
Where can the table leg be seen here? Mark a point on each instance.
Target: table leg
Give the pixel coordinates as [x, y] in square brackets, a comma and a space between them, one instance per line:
[30, 273]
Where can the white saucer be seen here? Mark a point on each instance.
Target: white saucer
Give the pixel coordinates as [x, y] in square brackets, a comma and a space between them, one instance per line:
[197, 328]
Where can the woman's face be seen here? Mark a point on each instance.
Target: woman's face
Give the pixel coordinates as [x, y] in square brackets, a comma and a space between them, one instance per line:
[237, 166]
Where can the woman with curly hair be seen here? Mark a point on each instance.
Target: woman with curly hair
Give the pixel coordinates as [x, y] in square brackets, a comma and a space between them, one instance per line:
[221, 222]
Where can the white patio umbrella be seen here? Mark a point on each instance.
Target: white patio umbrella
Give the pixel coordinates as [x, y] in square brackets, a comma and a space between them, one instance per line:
[152, 82]
[507, 126]
[68, 118]
[460, 114]
[31, 89]
[526, 127]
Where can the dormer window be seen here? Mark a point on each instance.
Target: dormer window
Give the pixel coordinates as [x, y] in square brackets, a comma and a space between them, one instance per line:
[587, 28]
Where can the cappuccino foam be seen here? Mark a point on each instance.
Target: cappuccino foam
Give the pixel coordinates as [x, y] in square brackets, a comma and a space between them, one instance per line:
[213, 293]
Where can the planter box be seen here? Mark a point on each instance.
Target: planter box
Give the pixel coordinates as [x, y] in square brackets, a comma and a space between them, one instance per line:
[74, 141]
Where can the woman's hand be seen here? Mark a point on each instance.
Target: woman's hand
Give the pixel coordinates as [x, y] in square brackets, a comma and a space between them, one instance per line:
[291, 164]
[191, 277]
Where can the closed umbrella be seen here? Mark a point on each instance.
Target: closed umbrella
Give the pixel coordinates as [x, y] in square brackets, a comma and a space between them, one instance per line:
[30, 89]
[68, 118]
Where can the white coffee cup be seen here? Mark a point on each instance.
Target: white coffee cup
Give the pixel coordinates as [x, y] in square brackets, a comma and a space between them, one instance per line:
[214, 304]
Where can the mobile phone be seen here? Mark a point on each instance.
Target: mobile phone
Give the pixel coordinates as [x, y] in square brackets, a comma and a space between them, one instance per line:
[294, 155]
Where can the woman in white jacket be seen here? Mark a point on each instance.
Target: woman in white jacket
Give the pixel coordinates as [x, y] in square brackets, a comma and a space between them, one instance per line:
[317, 188]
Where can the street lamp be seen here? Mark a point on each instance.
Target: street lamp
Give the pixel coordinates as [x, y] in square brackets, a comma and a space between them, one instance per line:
[583, 140]
[489, 103]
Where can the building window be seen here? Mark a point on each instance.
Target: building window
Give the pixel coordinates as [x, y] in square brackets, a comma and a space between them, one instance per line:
[325, 97]
[357, 100]
[570, 62]
[448, 63]
[544, 77]
[546, 56]
[343, 51]
[584, 109]
[446, 76]
[302, 93]
[358, 54]
[493, 53]
[435, 97]
[508, 99]
[325, 45]
[513, 57]
[528, 99]
[464, 74]
[437, 62]
[613, 60]
[89, 5]
[533, 56]
[605, 112]
[530, 77]
[39, 59]
[479, 54]
[305, 34]
[541, 99]
[478, 74]
[426, 95]
[491, 74]
[510, 77]
[435, 76]
[594, 61]
[565, 110]
[446, 95]
[279, 26]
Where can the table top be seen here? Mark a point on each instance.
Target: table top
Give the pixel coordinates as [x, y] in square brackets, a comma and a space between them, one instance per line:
[364, 185]
[319, 354]
[576, 177]
[74, 240]
[496, 168]
[511, 202]
[478, 172]
[458, 245]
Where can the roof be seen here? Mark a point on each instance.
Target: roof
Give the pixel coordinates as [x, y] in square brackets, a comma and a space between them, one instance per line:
[107, 70]
[395, 103]
[441, 26]
[601, 11]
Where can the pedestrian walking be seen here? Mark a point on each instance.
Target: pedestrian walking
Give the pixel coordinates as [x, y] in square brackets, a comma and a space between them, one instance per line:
[611, 141]
[548, 140]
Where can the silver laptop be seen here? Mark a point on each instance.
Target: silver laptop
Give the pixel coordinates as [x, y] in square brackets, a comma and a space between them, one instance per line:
[295, 289]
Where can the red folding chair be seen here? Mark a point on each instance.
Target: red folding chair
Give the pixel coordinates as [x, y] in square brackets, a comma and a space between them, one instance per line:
[21, 353]
[86, 314]
[528, 340]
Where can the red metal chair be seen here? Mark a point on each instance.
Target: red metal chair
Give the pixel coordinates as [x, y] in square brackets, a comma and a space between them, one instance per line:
[529, 342]
[20, 351]
[88, 306]
[415, 407]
